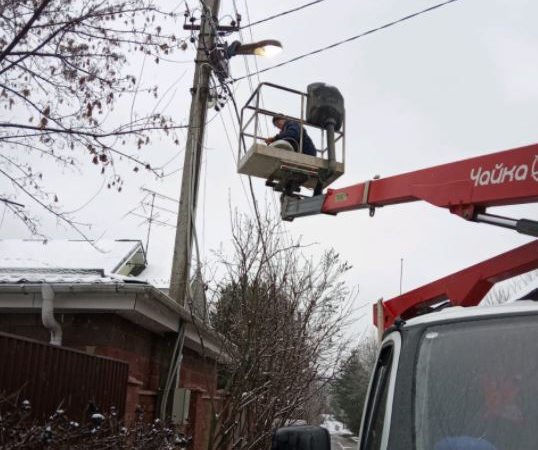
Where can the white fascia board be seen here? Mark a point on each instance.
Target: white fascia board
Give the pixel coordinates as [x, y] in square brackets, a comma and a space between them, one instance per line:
[148, 306]
[205, 344]
[141, 304]
[134, 302]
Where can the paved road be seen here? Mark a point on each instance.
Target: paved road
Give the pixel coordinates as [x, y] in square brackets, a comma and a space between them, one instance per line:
[339, 442]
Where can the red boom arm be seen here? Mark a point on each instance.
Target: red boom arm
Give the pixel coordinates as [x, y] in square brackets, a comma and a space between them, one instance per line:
[465, 288]
[465, 187]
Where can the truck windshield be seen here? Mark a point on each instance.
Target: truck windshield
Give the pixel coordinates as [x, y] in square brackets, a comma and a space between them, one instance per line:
[477, 386]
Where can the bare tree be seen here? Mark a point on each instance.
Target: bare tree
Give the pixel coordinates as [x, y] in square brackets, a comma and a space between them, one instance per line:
[61, 75]
[282, 316]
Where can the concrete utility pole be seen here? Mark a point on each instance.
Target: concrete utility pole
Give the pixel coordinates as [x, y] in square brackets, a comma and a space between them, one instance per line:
[193, 155]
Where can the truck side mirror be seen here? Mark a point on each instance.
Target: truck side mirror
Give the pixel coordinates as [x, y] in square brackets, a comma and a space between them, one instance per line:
[301, 437]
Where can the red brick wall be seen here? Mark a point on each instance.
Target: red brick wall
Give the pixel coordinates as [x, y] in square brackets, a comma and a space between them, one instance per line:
[106, 335]
[198, 372]
[27, 325]
[203, 409]
[147, 354]
[200, 375]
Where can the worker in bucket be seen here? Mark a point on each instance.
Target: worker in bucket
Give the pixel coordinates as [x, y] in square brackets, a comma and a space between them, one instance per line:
[290, 136]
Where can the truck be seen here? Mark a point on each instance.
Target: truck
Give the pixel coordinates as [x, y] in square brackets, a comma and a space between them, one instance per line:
[450, 374]
[458, 378]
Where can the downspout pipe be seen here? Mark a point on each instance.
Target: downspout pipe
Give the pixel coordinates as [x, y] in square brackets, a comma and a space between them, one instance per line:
[47, 314]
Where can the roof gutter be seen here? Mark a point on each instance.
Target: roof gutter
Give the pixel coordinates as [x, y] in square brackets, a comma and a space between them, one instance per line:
[142, 305]
[95, 288]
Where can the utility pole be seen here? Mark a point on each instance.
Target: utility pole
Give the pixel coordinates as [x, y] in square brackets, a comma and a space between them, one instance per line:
[193, 153]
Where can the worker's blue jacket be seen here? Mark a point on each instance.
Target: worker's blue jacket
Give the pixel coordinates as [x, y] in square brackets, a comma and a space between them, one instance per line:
[291, 133]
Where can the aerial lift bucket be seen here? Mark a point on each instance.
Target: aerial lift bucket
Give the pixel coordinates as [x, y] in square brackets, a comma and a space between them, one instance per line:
[286, 170]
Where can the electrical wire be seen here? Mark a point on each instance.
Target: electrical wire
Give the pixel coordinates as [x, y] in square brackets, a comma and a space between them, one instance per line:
[275, 16]
[352, 38]
[230, 147]
[91, 199]
[275, 203]
[3, 214]
[251, 187]
[176, 155]
[255, 63]
[204, 162]
[273, 198]
[231, 95]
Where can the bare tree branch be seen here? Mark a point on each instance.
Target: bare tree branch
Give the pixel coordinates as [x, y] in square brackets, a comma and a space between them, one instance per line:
[282, 316]
[60, 216]
[24, 30]
[93, 134]
[62, 73]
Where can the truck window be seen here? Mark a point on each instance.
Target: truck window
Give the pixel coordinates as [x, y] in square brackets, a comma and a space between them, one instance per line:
[377, 400]
[476, 385]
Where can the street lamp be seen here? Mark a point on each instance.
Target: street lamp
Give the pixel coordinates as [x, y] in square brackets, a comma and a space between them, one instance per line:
[267, 48]
[220, 59]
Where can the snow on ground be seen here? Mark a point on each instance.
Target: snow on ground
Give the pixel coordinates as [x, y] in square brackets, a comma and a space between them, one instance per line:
[334, 426]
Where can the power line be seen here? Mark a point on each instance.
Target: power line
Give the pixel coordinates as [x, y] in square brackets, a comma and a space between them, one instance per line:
[245, 58]
[230, 146]
[255, 64]
[261, 96]
[281, 14]
[345, 41]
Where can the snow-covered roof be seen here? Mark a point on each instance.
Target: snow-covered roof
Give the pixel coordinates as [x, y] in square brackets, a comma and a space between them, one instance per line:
[30, 275]
[73, 267]
[64, 261]
[156, 273]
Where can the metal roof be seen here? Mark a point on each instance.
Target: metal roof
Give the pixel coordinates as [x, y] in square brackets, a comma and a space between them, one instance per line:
[60, 253]
[46, 275]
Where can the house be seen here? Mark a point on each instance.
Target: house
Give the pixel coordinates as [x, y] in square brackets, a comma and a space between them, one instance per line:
[91, 298]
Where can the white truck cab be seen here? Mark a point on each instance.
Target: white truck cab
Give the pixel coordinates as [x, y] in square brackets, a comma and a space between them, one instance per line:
[459, 378]
[455, 379]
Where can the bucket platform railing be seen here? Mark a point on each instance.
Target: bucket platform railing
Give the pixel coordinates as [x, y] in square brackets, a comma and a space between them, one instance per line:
[285, 170]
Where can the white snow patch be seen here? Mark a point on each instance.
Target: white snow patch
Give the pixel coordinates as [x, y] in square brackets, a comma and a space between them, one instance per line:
[64, 254]
[523, 291]
[334, 426]
[64, 261]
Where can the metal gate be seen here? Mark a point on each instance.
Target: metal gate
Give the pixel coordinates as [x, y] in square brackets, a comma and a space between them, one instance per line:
[52, 377]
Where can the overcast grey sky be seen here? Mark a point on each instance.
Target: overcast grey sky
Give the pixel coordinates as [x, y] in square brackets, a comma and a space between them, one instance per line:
[458, 82]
